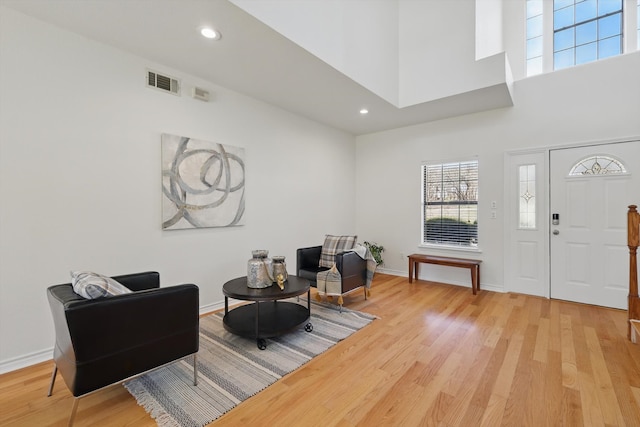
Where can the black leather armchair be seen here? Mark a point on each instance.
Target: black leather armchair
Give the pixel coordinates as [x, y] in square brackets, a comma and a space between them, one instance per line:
[104, 341]
[352, 268]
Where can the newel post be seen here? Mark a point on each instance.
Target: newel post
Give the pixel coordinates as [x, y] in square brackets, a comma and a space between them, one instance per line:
[633, 231]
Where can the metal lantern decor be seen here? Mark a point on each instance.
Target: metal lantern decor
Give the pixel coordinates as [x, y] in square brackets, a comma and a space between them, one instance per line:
[279, 271]
[258, 274]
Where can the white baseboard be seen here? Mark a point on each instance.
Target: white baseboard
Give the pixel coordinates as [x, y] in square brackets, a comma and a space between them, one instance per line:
[219, 305]
[208, 308]
[27, 360]
[392, 272]
[484, 286]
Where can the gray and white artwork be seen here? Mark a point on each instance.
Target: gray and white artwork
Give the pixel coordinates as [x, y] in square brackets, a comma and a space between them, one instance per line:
[202, 183]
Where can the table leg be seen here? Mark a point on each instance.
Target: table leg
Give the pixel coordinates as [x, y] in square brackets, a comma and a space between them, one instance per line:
[474, 279]
[226, 305]
[308, 327]
[410, 270]
[257, 303]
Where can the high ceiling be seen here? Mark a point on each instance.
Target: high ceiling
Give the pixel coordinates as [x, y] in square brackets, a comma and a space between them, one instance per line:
[251, 59]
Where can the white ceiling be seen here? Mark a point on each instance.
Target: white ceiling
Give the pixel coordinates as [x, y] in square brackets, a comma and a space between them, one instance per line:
[251, 58]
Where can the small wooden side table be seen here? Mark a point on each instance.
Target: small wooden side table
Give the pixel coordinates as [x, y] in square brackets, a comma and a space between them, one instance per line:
[471, 264]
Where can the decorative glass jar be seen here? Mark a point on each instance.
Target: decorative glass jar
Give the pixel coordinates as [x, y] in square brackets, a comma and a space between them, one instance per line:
[279, 268]
[258, 270]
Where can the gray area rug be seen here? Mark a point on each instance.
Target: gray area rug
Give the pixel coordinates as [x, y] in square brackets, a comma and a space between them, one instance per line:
[232, 368]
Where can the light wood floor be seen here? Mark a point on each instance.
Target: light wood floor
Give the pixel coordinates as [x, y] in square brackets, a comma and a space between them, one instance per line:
[437, 356]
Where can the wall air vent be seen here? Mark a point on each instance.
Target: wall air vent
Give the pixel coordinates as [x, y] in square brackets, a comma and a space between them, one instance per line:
[201, 94]
[163, 83]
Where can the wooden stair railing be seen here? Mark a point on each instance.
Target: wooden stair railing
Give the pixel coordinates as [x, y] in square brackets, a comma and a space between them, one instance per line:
[633, 232]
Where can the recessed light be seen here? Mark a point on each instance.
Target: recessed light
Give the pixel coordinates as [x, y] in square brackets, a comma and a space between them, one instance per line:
[364, 111]
[210, 33]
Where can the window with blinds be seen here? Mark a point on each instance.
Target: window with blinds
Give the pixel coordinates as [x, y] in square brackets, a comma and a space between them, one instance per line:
[450, 204]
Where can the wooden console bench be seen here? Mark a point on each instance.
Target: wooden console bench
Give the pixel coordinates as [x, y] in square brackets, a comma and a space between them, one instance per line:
[471, 264]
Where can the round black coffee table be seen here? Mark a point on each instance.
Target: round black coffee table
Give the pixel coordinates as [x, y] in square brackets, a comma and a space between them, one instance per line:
[267, 317]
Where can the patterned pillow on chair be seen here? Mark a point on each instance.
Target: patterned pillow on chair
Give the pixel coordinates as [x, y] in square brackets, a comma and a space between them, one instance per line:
[93, 285]
[334, 245]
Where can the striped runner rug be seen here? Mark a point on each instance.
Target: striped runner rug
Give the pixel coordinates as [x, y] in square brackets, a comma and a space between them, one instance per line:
[232, 369]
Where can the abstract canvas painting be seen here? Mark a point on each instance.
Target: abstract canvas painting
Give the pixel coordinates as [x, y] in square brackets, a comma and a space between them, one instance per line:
[202, 183]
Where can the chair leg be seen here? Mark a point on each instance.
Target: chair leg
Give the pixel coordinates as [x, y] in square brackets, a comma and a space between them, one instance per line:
[195, 369]
[340, 302]
[74, 409]
[53, 379]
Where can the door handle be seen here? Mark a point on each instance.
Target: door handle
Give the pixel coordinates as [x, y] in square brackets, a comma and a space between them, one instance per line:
[556, 232]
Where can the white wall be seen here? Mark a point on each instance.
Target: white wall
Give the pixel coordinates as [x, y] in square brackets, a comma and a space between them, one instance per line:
[597, 101]
[514, 36]
[80, 177]
[398, 48]
[437, 51]
[357, 37]
[489, 40]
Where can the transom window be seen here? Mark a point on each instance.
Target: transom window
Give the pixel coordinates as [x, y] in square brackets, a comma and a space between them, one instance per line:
[534, 37]
[450, 204]
[585, 30]
[597, 165]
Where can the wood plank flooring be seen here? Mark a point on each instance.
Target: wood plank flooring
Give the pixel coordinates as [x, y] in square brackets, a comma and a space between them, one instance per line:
[438, 356]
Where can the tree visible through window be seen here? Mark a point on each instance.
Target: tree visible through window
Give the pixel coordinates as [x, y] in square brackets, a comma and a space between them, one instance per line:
[450, 204]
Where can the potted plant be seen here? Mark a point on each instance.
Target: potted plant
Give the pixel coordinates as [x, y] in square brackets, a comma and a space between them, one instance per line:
[376, 251]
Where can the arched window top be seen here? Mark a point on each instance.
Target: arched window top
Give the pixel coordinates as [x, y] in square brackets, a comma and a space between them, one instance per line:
[597, 165]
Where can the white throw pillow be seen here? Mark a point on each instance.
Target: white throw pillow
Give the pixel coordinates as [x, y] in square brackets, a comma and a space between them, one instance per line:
[91, 285]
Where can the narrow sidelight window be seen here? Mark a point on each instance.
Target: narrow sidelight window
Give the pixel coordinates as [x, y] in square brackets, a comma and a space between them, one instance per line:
[527, 196]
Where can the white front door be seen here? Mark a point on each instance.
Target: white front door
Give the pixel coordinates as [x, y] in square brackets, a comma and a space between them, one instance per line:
[589, 257]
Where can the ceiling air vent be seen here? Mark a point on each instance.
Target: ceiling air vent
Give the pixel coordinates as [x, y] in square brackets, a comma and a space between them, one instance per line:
[162, 82]
[201, 94]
